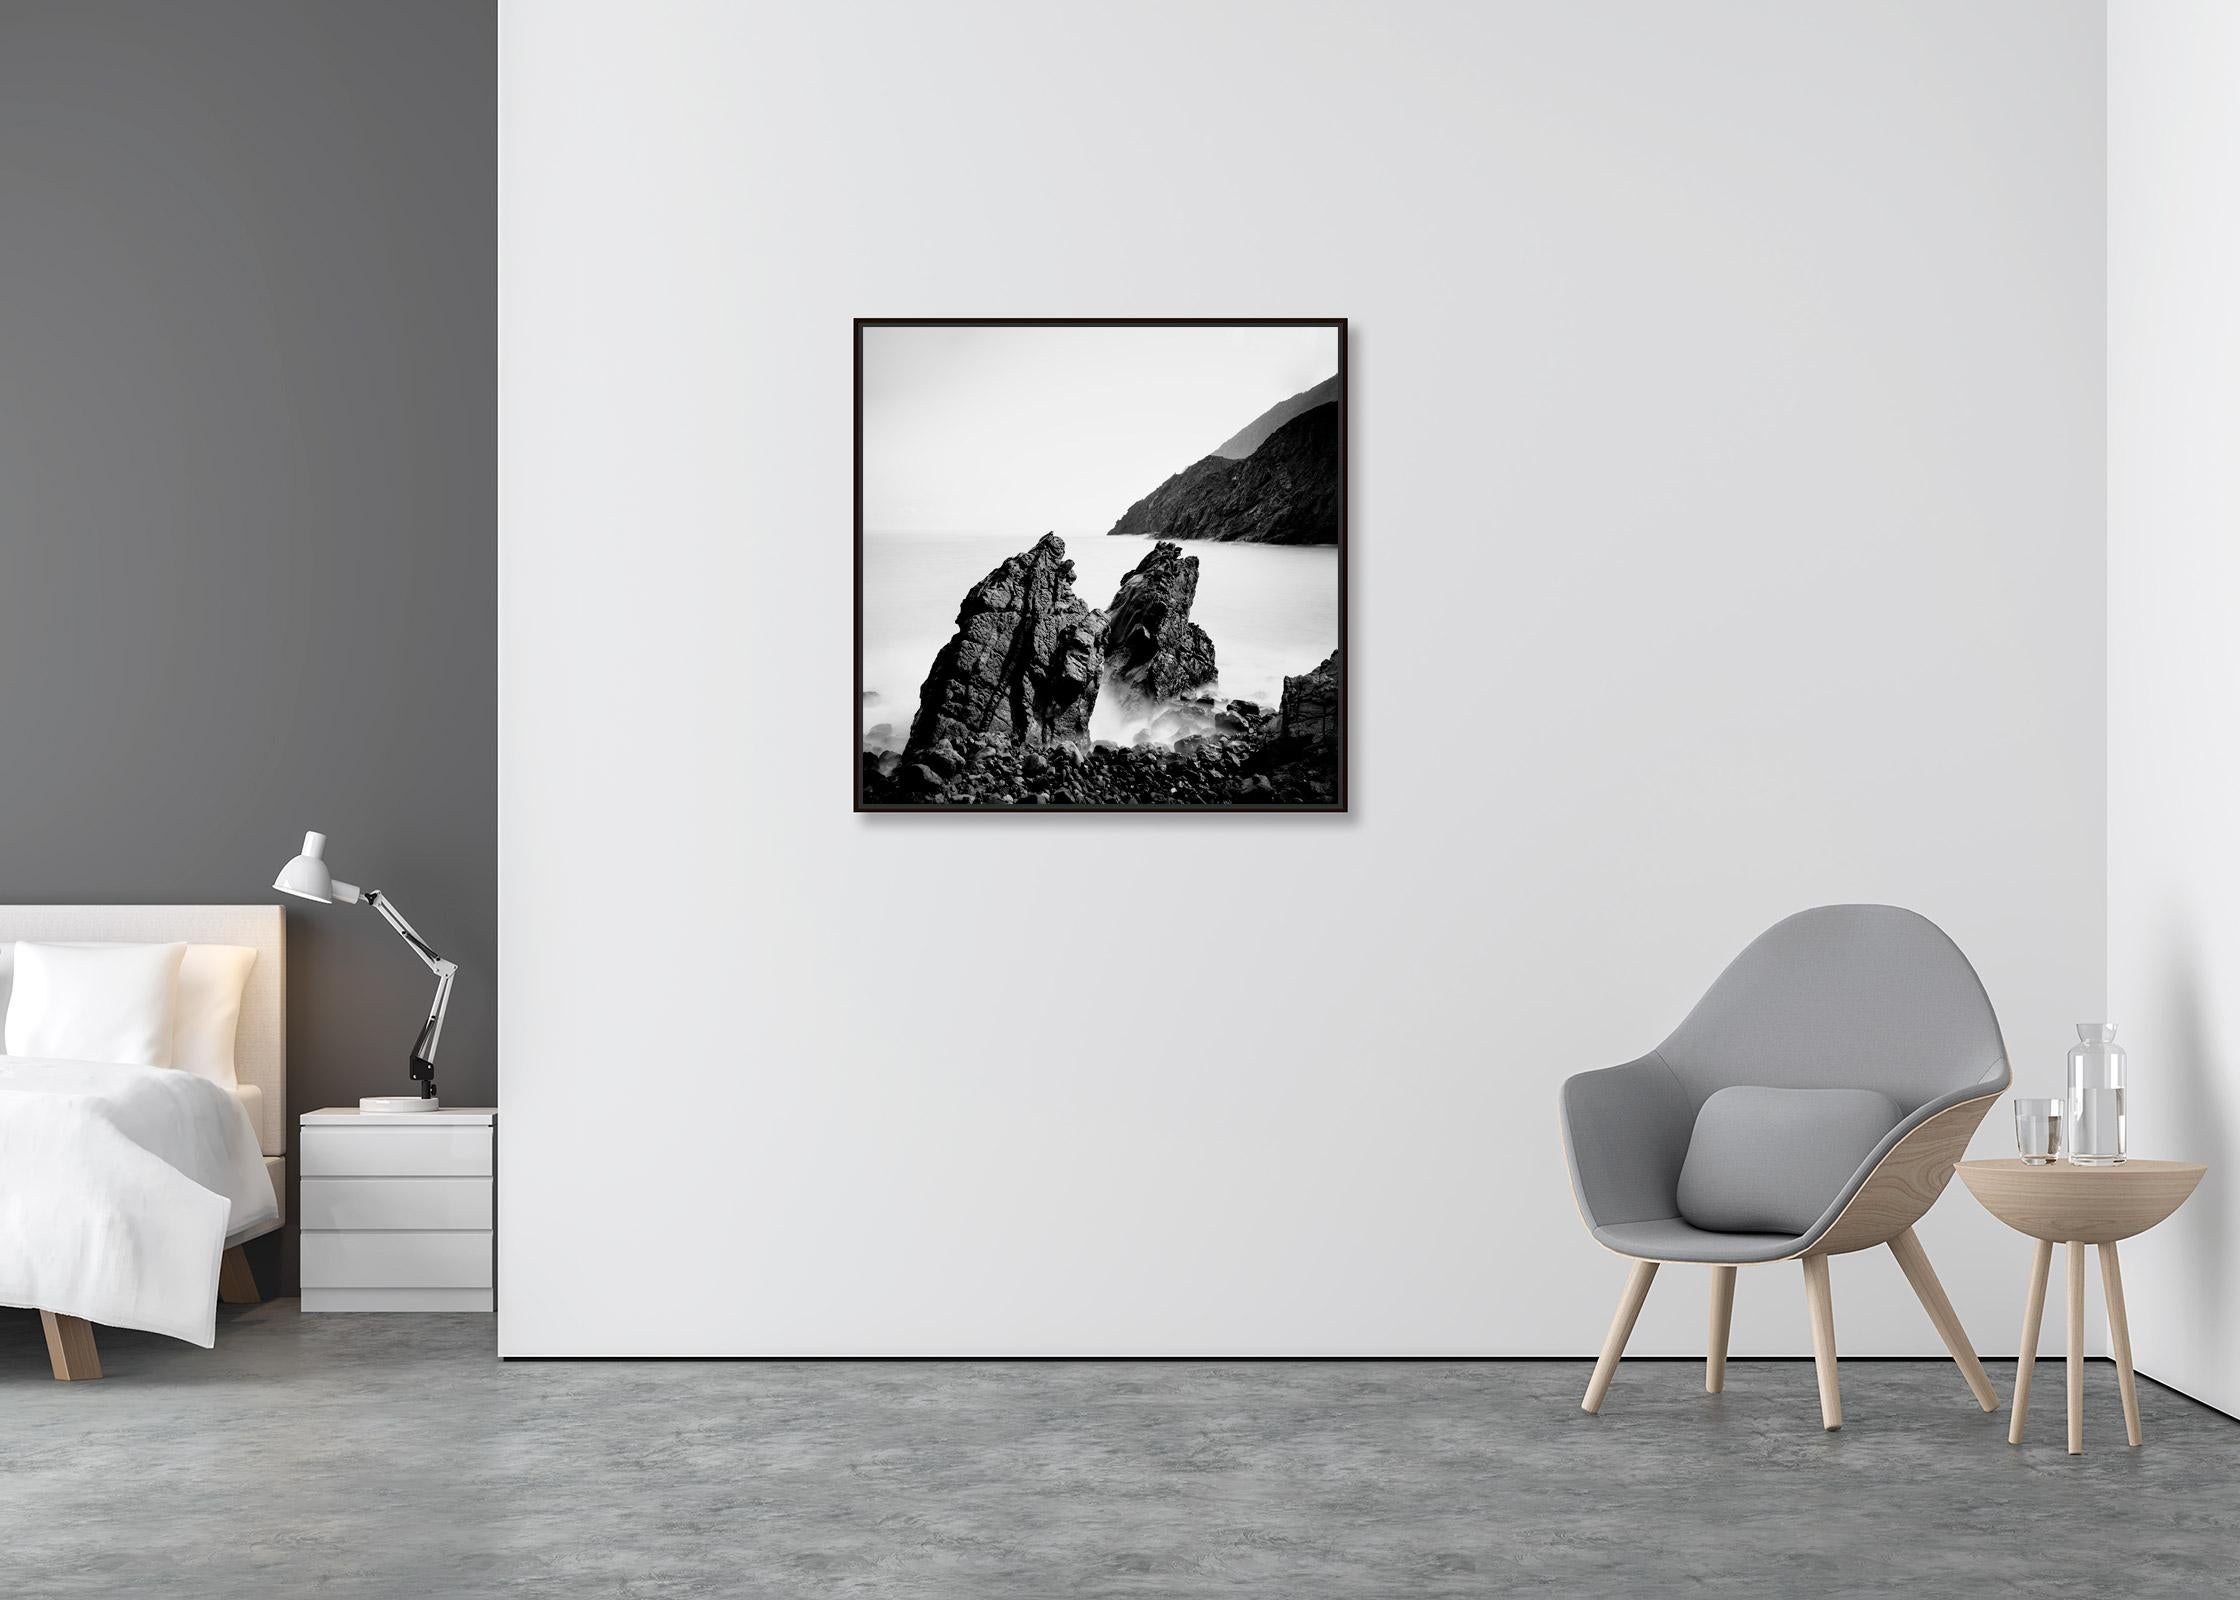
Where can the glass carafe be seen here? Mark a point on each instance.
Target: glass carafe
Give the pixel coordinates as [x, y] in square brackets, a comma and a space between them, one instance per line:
[2096, 1088]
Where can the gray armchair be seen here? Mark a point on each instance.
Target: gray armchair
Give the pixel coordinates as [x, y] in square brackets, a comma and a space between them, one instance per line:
[1813, 1103]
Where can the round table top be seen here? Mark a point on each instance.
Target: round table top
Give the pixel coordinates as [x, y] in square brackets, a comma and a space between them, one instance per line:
[2088, 1205]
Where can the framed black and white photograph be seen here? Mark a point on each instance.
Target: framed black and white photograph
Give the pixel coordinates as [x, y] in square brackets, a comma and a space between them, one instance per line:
[1101, 565]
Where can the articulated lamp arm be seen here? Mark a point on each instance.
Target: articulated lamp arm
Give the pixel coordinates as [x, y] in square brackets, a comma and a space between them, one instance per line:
[431, 1031]
[307, 877]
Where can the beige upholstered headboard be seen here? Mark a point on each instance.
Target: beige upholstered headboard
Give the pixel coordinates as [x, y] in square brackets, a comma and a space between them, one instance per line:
[260, 1045]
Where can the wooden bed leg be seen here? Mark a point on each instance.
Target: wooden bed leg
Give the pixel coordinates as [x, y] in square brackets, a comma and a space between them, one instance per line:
[70, 1347]
[237, 1285]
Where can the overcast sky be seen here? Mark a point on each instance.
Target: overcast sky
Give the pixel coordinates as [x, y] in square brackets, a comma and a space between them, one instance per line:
[1015, 430]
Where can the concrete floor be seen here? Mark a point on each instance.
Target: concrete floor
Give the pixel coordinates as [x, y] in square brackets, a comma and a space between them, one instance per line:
[396, 1456]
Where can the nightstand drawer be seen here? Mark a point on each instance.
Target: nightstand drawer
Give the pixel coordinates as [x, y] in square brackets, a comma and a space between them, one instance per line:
[374, 1152]
[446, 1204]
[410, 1260]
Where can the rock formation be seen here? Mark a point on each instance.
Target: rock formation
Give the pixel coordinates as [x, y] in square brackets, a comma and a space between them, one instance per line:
[1230, 755]
[1023, 666]
[1310, 705]
[1285, 492]
[1152, 649]
[1250, 437]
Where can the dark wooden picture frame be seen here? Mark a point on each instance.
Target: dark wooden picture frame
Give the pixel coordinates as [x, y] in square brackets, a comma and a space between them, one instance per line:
[860, 763]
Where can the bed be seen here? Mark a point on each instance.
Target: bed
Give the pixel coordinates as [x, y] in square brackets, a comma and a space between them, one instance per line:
[128, 1193]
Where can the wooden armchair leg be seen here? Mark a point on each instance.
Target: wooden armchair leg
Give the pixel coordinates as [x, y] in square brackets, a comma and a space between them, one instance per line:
[1722, 1319]
[1923, 1277]
[1822, 1301]
[237, 1285]
[70, 1348]
[1621, 1329]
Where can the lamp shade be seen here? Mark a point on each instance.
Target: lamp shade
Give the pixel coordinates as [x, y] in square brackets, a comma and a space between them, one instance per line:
[307, 875]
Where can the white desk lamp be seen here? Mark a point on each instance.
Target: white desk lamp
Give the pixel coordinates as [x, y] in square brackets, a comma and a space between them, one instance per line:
[307, 875]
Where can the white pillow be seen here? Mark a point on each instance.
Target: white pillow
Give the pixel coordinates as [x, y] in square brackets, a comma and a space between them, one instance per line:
[95, 1002]
[211, 979]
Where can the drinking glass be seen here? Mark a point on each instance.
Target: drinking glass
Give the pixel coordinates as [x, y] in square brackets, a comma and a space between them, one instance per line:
[2037, 1130]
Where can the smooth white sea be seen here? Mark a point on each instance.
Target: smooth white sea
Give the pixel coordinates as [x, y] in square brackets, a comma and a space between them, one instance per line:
[1272, 611]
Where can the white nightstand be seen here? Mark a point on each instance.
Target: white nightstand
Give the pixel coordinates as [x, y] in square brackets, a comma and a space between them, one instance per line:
[399, 1213]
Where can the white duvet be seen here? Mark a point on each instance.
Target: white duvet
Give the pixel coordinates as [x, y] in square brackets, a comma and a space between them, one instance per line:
[118, 1189]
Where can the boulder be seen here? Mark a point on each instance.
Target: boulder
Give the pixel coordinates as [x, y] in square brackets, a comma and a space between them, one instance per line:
[1310, 705]
[1152, 649]
[1024, 665]
[1179, 722]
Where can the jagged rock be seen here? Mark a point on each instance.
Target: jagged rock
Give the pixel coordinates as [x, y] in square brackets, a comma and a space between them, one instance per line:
[1258, 769]
[1152, 649]
[1285, 492]
[1310, 705]
[944, 759]
[1024, 664]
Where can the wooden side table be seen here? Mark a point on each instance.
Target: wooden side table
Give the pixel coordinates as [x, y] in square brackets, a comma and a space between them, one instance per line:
[2076, 1206]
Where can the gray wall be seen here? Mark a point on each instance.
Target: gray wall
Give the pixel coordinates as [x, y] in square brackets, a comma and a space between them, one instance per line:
[248, 337]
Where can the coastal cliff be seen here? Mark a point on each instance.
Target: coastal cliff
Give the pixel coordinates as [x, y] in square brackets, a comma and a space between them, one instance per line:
[1254, 433]
[1285, 492]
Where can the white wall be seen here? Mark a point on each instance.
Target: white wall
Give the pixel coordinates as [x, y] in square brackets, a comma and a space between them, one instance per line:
[1728, 405]
[2174, 657]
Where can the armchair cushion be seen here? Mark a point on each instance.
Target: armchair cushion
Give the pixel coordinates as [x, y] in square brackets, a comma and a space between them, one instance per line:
[1773, 1160]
